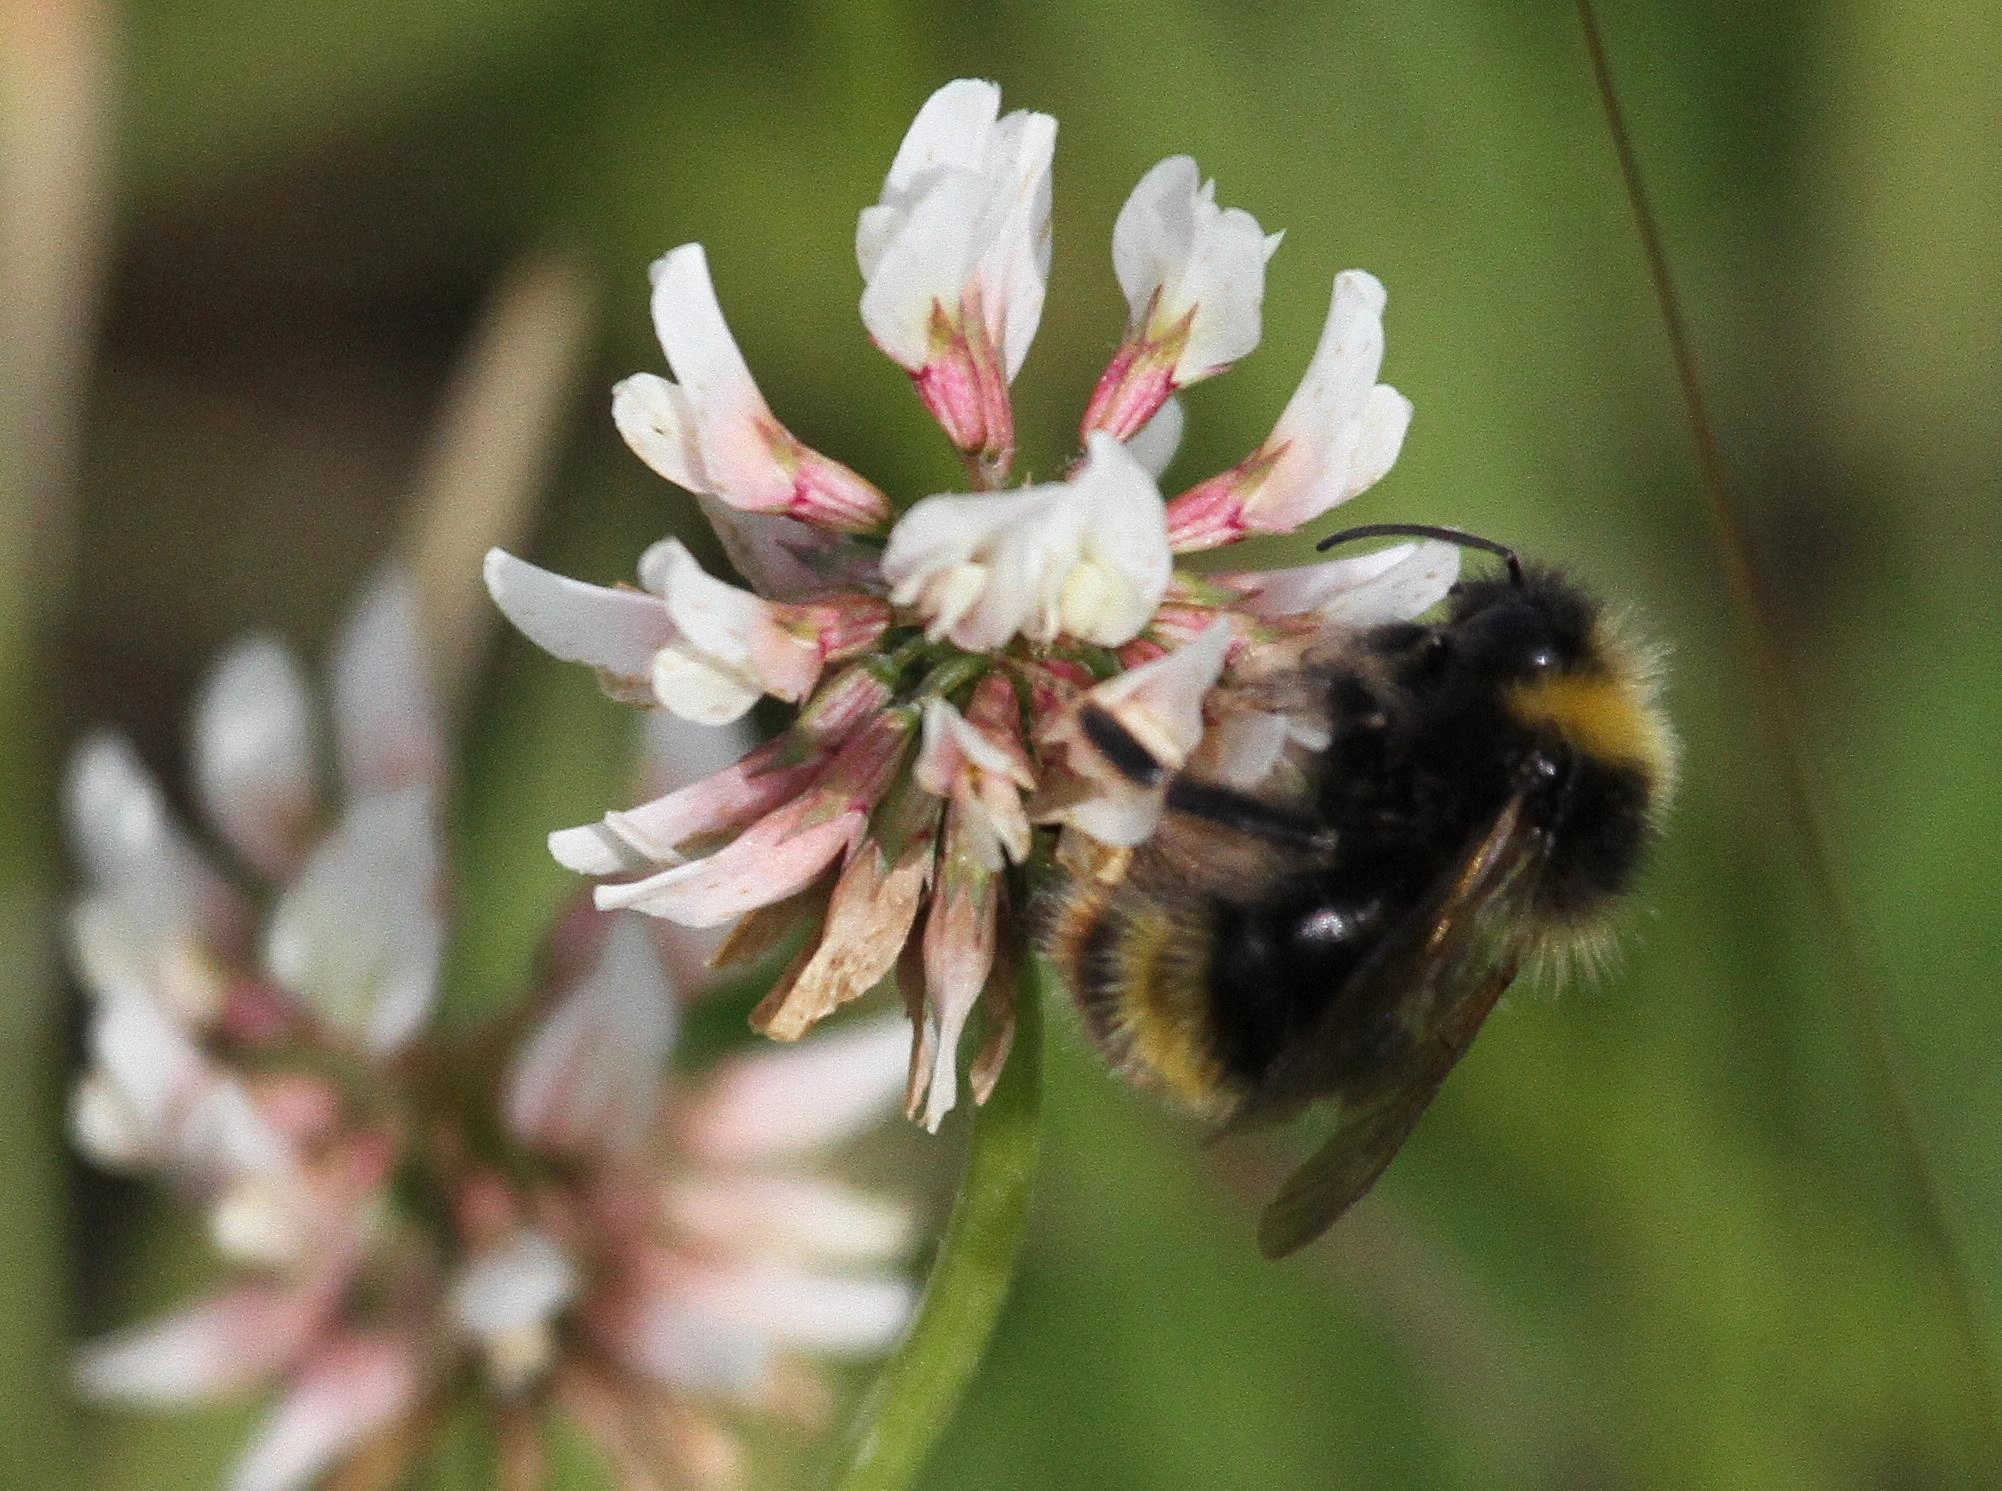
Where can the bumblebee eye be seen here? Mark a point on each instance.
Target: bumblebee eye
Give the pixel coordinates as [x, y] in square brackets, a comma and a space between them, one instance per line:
[1510, 638]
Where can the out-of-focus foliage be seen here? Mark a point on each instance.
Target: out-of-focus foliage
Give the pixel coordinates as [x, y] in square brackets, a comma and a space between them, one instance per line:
[1653, 1234]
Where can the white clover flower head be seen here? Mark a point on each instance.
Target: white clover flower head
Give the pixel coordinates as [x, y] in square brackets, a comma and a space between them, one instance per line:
[387, 1204]
[944, 651]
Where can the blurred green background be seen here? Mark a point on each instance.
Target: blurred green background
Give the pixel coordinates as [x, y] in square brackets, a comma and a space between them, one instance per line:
[1654, 1234]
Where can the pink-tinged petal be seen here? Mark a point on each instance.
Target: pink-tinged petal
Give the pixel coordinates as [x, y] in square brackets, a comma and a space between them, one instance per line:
[955, 258]
[347, 1392]
[959, 947]
[868, 918]
[717, 382]
[741, 454]
[658, 423]
[787, 1101]
[806, 1218]
[730, 630]
[358, 938]
[387, 733]
[589, 1078]
[1194, 278]
[827, 1314]
[617, 632]
[1393, 584]
[253, 754]
[652, 833]
[773, 859]
[786, 850]
[982, 768]
[216, 1349]
[1338, 435]
[738, 795]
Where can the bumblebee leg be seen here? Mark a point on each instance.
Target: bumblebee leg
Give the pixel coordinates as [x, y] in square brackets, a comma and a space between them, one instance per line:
[1224, 806]
[1118, 746]
[1229, 808]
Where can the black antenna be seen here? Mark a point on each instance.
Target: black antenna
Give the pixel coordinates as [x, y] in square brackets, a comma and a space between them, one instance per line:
[1458, 536]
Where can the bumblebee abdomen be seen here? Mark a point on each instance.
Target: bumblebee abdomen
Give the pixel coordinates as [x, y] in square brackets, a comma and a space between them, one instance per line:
[1138, 969]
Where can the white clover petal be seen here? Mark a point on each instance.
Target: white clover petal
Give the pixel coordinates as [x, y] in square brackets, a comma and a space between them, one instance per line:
[1161, 702]
[963, 220]
[729, 646]
[1155, 443]
[732, 424]
[1088, 557]
[387, 732]
[358, 938]
[1341, 431]
[253, 753]
[1123, 542]
[615, 631]
[658, 422]
[1177, 252]
[346, 1392]
[1394, 584]
[589, 1077]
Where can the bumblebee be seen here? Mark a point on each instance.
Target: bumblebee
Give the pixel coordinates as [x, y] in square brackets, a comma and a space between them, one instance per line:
[1489, 786]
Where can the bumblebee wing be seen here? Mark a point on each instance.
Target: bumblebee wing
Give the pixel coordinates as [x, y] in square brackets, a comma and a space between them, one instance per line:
[1368, 1133]
[1431, 984]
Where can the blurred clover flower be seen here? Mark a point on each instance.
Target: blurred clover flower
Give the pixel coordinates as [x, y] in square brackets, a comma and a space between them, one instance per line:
[940, 651]
[525, 1211]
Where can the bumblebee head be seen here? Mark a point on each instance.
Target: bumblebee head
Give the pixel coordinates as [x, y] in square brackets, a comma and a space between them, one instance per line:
[1564, 668]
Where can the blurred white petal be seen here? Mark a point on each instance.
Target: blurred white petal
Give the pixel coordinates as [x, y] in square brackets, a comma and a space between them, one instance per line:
[358, 937]
[526, 1280]
[802, 1217]
[589, 1077]
[215, 1349]
[386, 726]
[120, 825]
[253, 753]
[793, 1100]
[347, 1392]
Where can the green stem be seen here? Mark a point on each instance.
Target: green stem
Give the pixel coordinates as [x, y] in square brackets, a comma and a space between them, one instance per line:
[920, 1387]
